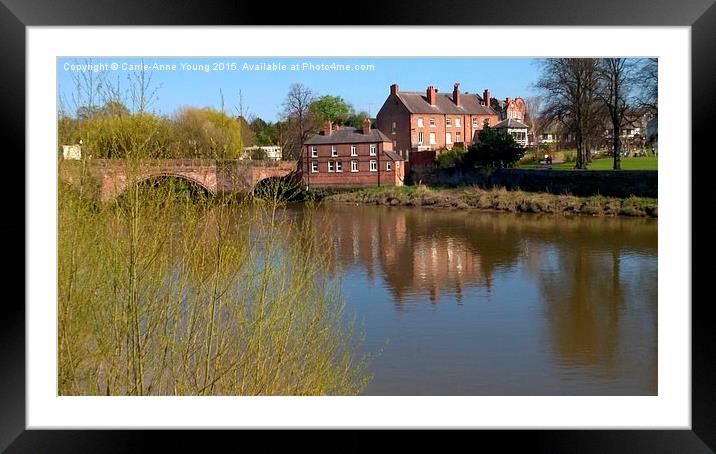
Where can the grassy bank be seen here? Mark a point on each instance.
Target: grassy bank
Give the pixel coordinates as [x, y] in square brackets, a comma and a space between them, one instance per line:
[640, 163]
[499, 200]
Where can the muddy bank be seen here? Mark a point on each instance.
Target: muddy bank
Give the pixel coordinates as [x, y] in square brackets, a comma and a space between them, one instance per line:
[499, 200]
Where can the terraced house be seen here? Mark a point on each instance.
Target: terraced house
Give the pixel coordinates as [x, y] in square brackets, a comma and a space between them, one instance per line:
[346, 156]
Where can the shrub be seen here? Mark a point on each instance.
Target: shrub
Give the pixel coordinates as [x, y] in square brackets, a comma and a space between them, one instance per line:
[450, 158]
[495, 148]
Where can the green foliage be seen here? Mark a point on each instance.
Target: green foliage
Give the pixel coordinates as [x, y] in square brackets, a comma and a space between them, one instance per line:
[331, 108]
[258, 154]
[495, 148]
[266, 133]
[210, 133]
[141, 136]
[356, 120]
[450, 158]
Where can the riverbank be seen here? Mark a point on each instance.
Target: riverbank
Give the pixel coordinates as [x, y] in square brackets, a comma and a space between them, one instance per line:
[473, 197]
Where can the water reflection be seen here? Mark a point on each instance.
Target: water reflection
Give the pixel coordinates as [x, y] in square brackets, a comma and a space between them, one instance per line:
[578, 298]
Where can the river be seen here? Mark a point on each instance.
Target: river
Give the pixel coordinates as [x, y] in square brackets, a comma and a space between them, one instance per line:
[477, 303]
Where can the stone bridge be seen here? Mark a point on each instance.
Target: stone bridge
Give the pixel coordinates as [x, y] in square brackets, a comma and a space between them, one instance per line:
[110, 177]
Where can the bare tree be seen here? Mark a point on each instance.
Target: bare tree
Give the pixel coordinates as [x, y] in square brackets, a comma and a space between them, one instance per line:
[533, 117]
[569, 88]
[616, 92]
[143, 92]
[296, 112]
[648, 75]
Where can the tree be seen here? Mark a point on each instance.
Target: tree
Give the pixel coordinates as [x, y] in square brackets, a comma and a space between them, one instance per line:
[648, 74]
[331, 108]
[266, 132]
[297, 116]
[210, 133]
[533, 118]
[569, 88]
[356, 119]
[494, 148]
[451, 158]
[616, 92]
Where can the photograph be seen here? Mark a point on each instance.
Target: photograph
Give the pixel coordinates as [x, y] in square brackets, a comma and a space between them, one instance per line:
[357, 226]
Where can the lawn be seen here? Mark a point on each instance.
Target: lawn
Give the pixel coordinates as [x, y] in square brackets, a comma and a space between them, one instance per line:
[640, 163]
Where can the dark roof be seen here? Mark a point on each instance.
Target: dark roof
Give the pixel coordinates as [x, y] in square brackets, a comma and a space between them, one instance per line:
[393, 155]
[470, 104]
[348, 135]
[510, 123]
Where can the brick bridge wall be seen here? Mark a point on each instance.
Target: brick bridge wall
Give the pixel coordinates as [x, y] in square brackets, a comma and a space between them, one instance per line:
[111, 176]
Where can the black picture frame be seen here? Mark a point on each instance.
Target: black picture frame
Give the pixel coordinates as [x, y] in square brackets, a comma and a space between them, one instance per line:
[16, 15]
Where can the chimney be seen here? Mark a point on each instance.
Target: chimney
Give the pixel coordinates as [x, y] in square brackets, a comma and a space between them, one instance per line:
[432, 94]
[327, 128]
[456, 93]
[366, 125]
[394, 89]
[486, 97]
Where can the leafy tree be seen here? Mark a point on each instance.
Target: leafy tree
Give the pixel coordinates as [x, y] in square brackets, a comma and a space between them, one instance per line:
[331, 108]
[494, 148]
[451, 158]
[210, 133]
[356, 119]
[266, 132]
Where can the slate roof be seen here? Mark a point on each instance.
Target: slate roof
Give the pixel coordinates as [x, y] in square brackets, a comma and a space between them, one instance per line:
[470, 104]
[348, 135]
[511, 123]
[394, 156]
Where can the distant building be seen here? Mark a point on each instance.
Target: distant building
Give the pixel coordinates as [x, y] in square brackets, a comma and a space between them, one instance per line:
[71, 152]
[273, 153]
[515, 128]
[351, 157]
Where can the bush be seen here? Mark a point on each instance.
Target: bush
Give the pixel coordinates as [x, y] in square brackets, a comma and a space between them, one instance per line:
[495, 148]
[450, 158]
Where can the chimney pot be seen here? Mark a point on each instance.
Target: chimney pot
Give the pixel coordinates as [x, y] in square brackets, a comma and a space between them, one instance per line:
[366, 125]
[394, 89]
[431, 94]
[456, 93]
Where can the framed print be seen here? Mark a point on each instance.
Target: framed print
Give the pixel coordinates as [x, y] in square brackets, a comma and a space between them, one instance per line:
[359, 225]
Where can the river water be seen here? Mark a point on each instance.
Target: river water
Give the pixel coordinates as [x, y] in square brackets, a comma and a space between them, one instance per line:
[476, 303]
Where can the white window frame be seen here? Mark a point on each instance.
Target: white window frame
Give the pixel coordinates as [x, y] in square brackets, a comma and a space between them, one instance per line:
[373, 165]
[330, 166]
[421, 137]
[334, 151]
[314, 166]
[457, 122]
[433, 139]
[458, 136]
[339, 166]
[354, 165]
[373, 149]
[393, 127]
[314, 152]
[474, 122]
[448, 137]
[354, 150]
[388, 167]
[448, 122]
[432, 122]
[421, 124]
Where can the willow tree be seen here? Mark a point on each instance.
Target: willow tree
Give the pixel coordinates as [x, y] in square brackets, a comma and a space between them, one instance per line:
[569, 91]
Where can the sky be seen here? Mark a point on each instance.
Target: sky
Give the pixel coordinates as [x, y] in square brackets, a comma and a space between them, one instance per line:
[264, 82]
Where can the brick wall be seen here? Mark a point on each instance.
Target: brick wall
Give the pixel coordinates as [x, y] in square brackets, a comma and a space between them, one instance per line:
[363, 177]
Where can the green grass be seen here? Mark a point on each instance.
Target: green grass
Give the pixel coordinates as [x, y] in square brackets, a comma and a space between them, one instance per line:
[641, 163]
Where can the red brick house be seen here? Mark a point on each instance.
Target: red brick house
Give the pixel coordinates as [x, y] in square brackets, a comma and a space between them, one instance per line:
[345, 156]
[511, 108]
[417, 121]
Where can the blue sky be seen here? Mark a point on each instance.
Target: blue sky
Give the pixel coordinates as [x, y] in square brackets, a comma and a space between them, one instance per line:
[263, 91]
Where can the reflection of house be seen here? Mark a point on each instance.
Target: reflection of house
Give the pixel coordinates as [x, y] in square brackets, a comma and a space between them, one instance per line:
[420, 121]
[515, 128]
[351, 157]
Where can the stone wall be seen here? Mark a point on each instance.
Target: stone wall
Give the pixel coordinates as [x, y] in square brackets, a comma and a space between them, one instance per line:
[622, 183]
